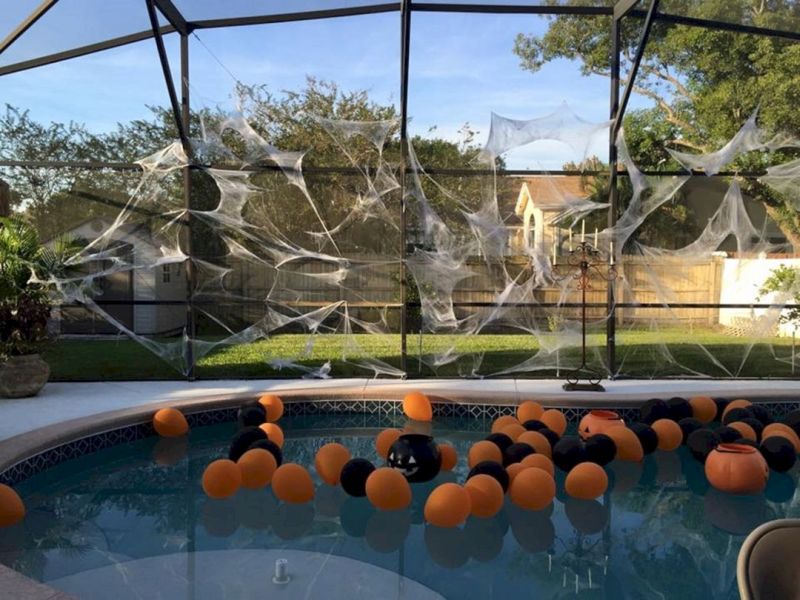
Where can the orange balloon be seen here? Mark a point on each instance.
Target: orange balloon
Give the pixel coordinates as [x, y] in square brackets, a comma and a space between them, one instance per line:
[743, 428]
[384, 441]
[273, 405]
[537, 441]
[449, 457]
[274, 433]
[598, 421]
[170, 422]
[782, 430]
[737, 469]
[628, 445]
[555, 420]
[12, 509]
[484, 450]
[586, 481]
[513, 430]
[532, 489]
[292, 484]
[486, 495]
[501, 422]
[417, 406]
[329, 462]
[513, 470]
[448, 505]
[222, 479]
[387, 489]
[539, 461]
[704, 409]
[529, 411]
[740, 403]
[257, 467]
[669, 433]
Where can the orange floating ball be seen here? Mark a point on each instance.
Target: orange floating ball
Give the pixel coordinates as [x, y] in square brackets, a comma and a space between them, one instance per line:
[539, 461]
[12, 509]
[257, 467]
[222, 479]
[628, 445]
[448, 505]
[501, 422]
[384, 441]
[747, 432]
[170, 422]
[513, 470]
[449, 457]
[513, 430]
[555, 420]
[740, 403]
[329, 462]
[532, 489]
[292, 484]
[598, 421]
[669, 433]
[486, 495]
[586, 481]
[274, 433]
[704, 409]
[273, 405]
[782, 430]
[537, 441]
[529, 411]
[482, 451]
[737, 469]
[417, 406]
[387, 489]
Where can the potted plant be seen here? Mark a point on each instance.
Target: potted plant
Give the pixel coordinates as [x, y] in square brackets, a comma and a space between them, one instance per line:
[25, 301]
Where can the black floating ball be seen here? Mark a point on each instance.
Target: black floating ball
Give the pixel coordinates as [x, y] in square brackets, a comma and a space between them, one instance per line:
[743, 441]
[688, 426]
[779, 453]
[354, 476]
[551, 436]
[501, 440]
[762, 414]
[492, 469]
[727, 435]
[270, 447]
[515, 453]
[568, 452]
[756, 424]
[600, 449]
[653, 410]
[243, 440]
[702, 442]
[793, 420]
[737, 414]
[679, 408]
[251, 415]
[722, 404]
[647, 436]
[534, 425]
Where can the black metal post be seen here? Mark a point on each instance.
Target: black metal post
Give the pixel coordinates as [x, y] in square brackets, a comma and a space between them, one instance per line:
[405, 43]
[187, 198]
[613, 198]
[29, 22]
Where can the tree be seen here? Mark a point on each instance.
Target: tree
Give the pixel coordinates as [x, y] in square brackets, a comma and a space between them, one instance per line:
[704, 83]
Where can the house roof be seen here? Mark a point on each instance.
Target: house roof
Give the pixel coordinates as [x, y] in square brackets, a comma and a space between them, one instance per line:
[550, 192]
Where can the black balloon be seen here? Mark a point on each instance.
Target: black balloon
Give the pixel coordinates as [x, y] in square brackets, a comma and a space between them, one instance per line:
[793, 420]
[746, 442]
[551, 436]
[722, 404]
[243, 440]
[493, 469]
[689, 425]
[515, 453]
[534, 425]
[647, 436]
[416, 456]
[762, 414]
[501, 440]
[779, 453]
[702, 442]
[727, 435]
[251, 415]
[600, 449]
[653, 410]
[270, 447]
[354, 476]
[737, 414]
[756, 424]
[568, 452]
[679, 408]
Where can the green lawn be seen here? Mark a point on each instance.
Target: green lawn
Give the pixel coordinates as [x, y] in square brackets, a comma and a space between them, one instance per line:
[640, 353]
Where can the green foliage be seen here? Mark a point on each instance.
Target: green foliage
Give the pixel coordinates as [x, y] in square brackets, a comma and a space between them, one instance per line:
[785, 281]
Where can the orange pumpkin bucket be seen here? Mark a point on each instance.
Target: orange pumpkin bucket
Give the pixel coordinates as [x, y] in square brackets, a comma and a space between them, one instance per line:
[598, 421]
[737, 469]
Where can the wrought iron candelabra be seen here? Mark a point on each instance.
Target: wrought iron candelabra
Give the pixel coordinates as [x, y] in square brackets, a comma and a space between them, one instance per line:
[584, 262]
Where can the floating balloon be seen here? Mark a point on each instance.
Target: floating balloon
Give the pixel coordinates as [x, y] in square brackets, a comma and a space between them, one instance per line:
[737, 469]
[779, 453]
[243, 439]
[722, 404]
[669, 434]
[688, 425]
[653, 410]
[600, 449]
[486, 496]
[739, 403]
[170, 422]
[537, 441]
[757, 425]
[701, 443]
[257, 467]
[387, 489]
[483, 451]
[449, 457]
[292, 484]
[727, 434]
[744, 429]
[568, 452]
[12, 509]
[270, 447]
[532, 489]
[514, 469]
[534, 425]
[354, 476]
[503, 421]
[736, 414]
[793, 420]
[251, 415]
[679, 408]
[417, 406]
[704, 409]
[555, 421]
[449, 505]
[647, 436]
[222, 479]
[586, 481]
[493, 469]
[539, 461]
[273, 405]
[784, 431]
[746, 442]
[628, 445]
[513, 430]
[274, 433]
[416, 456]
[598, 421]
[529, 410]
[329, 461]
[384, 441]
[501, 440]
[762, 414]
[515, 453]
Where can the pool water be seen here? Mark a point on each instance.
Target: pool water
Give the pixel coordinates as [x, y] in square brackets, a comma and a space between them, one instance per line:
[133, 522]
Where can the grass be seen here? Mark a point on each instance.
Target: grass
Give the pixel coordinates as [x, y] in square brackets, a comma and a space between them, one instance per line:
[639, 353]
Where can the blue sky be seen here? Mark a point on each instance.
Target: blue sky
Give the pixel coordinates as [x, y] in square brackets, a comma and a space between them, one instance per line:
[462, 69]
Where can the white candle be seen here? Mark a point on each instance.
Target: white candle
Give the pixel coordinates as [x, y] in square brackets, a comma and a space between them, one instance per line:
[611, 253]
[570, 239]
[583, 231]
[595, 237]
[555, 250]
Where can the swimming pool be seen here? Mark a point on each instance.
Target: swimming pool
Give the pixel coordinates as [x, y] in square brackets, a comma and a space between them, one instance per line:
[132, 522]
